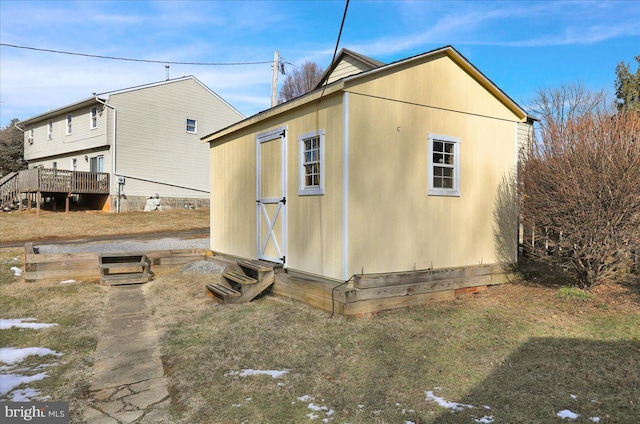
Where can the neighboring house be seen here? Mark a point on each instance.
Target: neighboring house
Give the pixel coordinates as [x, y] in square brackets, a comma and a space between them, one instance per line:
[147, 138]
[385, 169]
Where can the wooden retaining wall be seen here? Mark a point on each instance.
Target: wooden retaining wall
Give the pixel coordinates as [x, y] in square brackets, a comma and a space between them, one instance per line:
[372, 293]
[84, 266]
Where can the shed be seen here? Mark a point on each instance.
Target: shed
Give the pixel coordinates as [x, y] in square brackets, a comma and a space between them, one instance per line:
[381, 170]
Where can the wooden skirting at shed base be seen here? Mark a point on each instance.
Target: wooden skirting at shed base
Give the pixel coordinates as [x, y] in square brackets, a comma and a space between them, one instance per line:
[85, 266]
[372, 293]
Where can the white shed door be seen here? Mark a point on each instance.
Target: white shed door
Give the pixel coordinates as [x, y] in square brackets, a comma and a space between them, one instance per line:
[271, 195]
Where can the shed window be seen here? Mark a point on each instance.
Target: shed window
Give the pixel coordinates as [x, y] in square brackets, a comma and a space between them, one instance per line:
[444, 165]
[69, 123]
[192, 126]
[94, 118]
[311, 163]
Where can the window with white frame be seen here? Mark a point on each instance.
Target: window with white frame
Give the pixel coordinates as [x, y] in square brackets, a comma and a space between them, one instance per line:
[444, 165]
[50, 129]
[31, 133]
[69, 123]
[311, 147]
[192, 126]
[94, 118]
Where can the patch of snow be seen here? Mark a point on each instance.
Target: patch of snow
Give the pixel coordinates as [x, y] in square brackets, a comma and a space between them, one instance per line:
[565, 413]
[312, 416]
[16, 271]
[360, 406]
[317, 408]
[595, 419]
[23, 323]
[67, 281]
[272, 373]
[12, 355]
[486, 419]
[446, 404]
[305, 398]
[23, 395]
[9, 382]
[573, 396]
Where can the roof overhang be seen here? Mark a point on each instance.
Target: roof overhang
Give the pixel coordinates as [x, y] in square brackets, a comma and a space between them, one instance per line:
[345, 83]
[62, 110]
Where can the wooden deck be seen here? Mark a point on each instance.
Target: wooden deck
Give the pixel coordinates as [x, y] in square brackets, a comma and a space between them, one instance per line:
[49, 182]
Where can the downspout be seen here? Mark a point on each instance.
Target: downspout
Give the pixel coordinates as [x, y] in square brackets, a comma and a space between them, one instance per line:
[113, 150]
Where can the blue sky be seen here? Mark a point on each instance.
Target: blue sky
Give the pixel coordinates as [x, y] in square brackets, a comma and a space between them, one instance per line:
[521, 46]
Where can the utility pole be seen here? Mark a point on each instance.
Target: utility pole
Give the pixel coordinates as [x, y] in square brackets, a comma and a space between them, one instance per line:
[274, 77]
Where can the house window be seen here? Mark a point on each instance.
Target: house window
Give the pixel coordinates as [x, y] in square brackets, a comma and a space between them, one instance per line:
[50, 129]
[444, 165]
[74, 164]
[192, 126]
[311, 163]
[94, 118]
[69, 122]
[54, 165]
[96, 164]
[30, 136]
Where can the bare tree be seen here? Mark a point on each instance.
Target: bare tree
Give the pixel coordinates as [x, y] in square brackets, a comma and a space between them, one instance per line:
[300, 81]
[553, 107]
[580, 193]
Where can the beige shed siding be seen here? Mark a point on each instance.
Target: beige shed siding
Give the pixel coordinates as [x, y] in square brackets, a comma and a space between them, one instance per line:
[393, 224]
[348, 66]
[82, 136]
[314, 242]
[233, 197]
[437, 82]
[179, 165]
[314, 223]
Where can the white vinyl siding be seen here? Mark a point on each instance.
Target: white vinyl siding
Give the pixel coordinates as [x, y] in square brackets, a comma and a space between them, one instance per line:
[444, 165]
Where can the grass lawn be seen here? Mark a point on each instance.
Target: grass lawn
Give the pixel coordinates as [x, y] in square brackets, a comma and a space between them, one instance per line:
[520, 353]
[29, 226]
[525, 352]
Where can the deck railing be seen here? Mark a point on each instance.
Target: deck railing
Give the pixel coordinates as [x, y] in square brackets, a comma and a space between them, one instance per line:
[46, 180]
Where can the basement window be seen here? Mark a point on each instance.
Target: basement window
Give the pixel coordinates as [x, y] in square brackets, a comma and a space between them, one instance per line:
[192, 126]
[311, 163]
[444, 165]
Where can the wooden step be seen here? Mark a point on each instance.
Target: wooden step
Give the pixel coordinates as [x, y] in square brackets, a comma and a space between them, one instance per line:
[259, 266]
[239, 277]
[122, 279]
[222, 291]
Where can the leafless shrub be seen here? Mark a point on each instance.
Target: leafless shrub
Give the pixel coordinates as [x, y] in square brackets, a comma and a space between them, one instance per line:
[580, 193]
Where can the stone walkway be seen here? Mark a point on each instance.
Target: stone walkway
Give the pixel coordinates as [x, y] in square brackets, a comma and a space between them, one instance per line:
[129, 384]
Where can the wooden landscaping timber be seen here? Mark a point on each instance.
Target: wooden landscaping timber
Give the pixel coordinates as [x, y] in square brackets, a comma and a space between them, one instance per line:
[408, 277]
[378, 305]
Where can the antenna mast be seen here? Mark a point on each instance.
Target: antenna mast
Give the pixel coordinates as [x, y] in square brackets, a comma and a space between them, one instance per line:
[274, 77]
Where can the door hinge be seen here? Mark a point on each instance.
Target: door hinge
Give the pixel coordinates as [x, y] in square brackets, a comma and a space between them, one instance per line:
[283, 200]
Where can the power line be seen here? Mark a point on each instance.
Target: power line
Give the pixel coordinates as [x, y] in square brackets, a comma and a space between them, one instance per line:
[135, 60]
[335, 51]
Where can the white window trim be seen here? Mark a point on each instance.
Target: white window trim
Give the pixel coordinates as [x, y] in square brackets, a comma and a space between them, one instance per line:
[68, 124]
[455, 191]
[310, 191]
[93, 118]
[195, 124]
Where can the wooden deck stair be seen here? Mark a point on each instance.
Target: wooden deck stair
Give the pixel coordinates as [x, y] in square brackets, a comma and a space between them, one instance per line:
[242, 287]
[124, 268]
